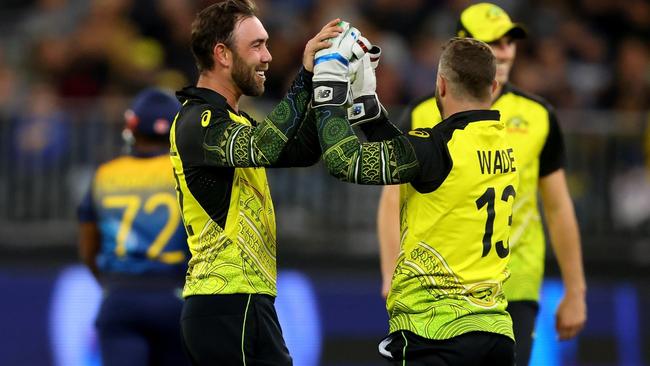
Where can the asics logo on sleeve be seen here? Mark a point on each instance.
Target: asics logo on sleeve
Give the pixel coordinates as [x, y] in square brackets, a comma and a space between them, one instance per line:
[205, 118]
[419, 133]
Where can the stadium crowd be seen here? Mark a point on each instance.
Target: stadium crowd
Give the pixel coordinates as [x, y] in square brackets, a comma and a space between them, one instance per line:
[581, 53]
[69, 67]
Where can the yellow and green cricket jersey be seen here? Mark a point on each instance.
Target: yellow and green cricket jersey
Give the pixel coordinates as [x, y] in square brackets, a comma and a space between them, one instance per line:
[455, 223]
[228, 214]
[219, 157]
[456, 212]
[533, 130]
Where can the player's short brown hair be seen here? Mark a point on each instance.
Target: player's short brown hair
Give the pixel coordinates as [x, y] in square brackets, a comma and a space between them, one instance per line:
[215, 24]
[469, 66]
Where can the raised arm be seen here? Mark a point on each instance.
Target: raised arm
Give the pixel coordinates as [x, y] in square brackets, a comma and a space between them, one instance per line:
[230, 140]
[303, 149]
[286, 137]
[390, 161]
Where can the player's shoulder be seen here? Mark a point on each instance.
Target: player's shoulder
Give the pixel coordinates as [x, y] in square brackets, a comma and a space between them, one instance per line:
[201, 103]
[422, 112]
[423, 105]
[116, 162]
[526, 97]
[114, 165]
[247, 117]
[421, 101]
[193, 96]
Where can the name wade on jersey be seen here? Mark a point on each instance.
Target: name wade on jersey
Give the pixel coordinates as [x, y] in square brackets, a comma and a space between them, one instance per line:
[496, 162]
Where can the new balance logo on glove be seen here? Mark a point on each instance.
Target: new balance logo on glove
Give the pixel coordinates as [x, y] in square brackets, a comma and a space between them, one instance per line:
[323, 94]
[331, 82]
[356, 111]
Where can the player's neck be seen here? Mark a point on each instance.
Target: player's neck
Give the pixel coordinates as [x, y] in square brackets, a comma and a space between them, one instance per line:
[145, 148]
[497, 92]
[451, 107]
[222, 85]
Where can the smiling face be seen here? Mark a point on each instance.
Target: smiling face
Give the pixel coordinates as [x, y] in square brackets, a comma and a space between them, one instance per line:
[504, 50]
[251, 57]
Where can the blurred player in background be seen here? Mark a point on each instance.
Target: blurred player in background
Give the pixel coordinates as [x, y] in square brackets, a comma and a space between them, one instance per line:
[133, 241]
[535, 133]
[219, 154]
[446, 304]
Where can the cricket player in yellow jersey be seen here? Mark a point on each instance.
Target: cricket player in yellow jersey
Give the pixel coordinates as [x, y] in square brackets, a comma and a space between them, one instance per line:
[536, 137]
[446, 303]
[219, 154]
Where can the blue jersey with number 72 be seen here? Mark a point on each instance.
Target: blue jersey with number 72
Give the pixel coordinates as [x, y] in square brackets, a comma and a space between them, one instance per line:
[133, 201]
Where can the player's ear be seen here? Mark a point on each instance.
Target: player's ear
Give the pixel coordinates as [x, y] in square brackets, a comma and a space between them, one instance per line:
[441, 85]
[495, 85]
[222, 55]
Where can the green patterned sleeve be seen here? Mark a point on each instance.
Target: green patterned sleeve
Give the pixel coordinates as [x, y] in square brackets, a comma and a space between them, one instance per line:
[232, 144]
[391, 161]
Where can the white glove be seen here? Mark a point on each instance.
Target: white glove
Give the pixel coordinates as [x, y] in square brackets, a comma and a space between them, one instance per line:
[366, 106]
[331, 84]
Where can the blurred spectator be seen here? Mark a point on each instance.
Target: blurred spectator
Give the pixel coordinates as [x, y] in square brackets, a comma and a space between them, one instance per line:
[7, 84]
[403, 17]
[40, 131]
[169, 25]
[39, 134]
[587, 51]
[577, 57]
[422, 75]
[630, 87]
[545, 73]
[51, 17]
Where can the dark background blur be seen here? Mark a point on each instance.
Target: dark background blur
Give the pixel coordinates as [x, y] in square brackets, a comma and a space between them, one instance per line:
[69, 67]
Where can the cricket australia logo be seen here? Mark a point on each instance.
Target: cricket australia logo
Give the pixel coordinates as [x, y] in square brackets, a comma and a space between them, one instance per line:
[323, 94]
[517, 124]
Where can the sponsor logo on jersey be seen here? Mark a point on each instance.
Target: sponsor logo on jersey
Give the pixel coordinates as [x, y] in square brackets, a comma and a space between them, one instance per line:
[206, 116]
[517, 124]
[419, 133]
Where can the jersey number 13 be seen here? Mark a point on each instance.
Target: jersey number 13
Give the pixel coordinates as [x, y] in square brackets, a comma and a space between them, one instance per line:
[487, 198]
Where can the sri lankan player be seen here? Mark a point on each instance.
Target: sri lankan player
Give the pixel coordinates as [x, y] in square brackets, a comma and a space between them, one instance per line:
[446, 303]
[219, 154]
[533, 128]
[133, 240]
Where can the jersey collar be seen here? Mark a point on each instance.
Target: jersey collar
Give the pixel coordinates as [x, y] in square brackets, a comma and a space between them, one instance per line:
[149, 154]
[204, 95]
[474, 115]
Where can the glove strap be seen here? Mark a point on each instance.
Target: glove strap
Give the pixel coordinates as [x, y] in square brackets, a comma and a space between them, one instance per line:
[332, 93]
[364, 109]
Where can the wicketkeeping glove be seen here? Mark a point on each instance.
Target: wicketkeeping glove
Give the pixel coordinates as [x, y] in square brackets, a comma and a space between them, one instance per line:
[366, 106]
[331, 84]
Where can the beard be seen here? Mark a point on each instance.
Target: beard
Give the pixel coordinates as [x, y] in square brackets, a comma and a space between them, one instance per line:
[439, 104]
[245, 77]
